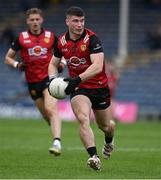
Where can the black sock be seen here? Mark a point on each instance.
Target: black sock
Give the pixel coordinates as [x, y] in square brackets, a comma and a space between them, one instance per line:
[108, 139]
[92, 151]
[57, 139]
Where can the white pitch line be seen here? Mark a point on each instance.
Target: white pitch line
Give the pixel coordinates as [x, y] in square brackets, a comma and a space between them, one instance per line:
[121, 149]
[139, 149]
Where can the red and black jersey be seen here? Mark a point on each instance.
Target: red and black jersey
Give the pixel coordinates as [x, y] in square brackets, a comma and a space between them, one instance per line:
[36, 52]
[77, 55]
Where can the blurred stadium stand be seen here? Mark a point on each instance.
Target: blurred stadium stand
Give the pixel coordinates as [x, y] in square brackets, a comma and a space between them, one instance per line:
[141, 75]
[139, 83]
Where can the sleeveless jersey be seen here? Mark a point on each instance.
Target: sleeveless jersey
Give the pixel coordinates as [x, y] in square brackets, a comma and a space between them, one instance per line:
[36, 52]
[77, 56]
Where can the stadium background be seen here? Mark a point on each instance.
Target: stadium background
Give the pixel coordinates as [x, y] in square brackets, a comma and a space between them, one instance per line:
[140, 73]
[24, 142]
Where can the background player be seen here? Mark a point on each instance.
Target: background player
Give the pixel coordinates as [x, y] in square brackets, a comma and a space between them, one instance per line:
[36, 48]
[113, 74]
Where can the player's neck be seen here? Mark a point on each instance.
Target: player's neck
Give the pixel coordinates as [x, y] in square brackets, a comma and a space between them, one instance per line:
[74, 37]
[36, 32]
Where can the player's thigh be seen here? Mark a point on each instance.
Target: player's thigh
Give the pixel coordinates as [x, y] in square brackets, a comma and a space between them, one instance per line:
[40, 106]
[103, 117]
[81, 106]
[50, 103]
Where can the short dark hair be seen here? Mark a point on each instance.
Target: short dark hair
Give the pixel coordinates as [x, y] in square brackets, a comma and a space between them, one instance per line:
[33, 11]
[75, 11]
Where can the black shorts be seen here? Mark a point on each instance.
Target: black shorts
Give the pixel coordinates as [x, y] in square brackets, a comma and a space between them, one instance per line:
[100, 98]
[36, 89]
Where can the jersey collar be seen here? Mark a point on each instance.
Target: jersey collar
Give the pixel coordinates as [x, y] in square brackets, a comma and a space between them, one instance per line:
[42, 31]
[67, 37]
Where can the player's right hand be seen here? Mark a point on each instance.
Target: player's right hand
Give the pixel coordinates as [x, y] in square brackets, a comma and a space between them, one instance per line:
[21, 66]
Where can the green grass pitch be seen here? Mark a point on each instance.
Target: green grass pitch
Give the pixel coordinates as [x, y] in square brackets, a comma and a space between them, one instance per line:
[24, 152]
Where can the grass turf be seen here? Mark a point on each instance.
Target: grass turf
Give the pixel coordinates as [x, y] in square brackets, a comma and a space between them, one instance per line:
[24, 152]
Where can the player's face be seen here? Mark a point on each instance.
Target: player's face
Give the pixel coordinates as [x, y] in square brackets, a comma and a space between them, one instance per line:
[75, 25]
[34, 21]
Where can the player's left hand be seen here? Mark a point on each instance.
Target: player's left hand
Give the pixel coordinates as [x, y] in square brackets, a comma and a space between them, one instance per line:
[73, 83]
[21, 66]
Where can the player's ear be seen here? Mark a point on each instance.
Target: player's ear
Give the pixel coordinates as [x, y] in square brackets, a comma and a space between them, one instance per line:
[27, 21]
[42, 19]
[67, 21]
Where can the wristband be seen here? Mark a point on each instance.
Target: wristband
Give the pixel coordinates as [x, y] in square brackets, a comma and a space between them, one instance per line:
[63, 61]
[15, 64]
[52, 76]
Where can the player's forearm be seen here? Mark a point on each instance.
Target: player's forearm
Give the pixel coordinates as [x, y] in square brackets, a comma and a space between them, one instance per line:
[52, 71]
[52, 68]
[10, 58]
[11, 62]
[90, 72]
[95, 68]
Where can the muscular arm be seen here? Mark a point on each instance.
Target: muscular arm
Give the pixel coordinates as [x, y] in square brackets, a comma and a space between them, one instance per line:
[53, 66]
[96, 67]
[97, 59]
[10, 58]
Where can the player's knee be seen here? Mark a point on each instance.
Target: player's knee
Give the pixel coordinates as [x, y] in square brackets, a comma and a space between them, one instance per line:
[83, 119]
[112, 125]
[108, 128]
[104, 128]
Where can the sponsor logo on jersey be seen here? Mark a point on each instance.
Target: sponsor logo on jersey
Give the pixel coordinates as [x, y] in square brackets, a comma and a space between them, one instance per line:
[75, 61]
[37, 51]
[64, 50]
[47, 40]
[83, 47]
[98, 46]
[27, 41]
